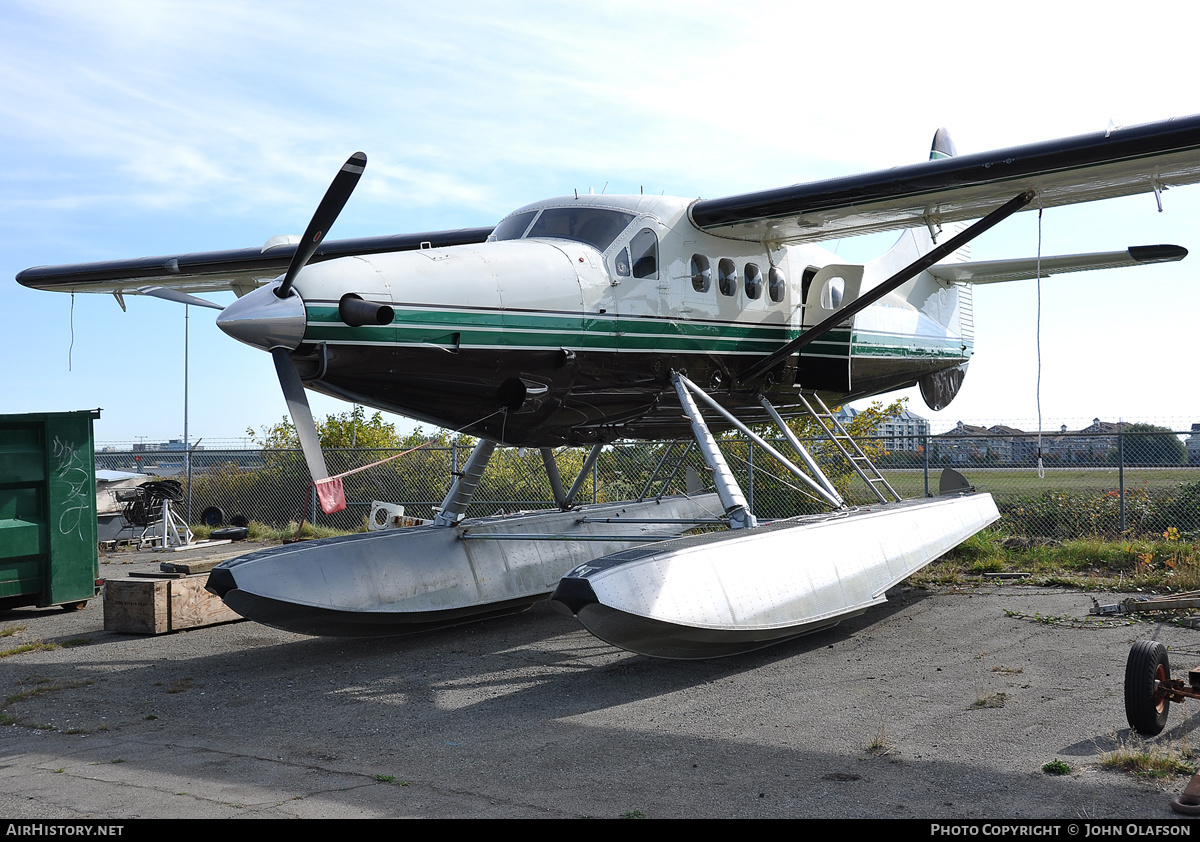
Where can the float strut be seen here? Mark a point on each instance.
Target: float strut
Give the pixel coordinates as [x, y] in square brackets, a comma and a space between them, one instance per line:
[556, 486]
[728, 490]
[577, 486]
[463, 488]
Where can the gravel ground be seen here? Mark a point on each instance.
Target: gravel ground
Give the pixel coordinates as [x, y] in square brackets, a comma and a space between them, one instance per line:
[940, 704]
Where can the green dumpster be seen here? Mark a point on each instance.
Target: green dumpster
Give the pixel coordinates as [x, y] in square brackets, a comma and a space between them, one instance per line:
[48, 552]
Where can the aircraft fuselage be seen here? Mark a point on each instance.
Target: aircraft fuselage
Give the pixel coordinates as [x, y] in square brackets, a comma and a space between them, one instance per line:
[565, 327]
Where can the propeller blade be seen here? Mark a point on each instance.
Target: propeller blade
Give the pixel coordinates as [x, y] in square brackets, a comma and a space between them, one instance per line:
[339, 191]
[178, 297]
[297, 401]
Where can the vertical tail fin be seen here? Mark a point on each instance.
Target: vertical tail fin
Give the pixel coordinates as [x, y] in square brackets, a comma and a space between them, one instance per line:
[943, 145]
[945, 309]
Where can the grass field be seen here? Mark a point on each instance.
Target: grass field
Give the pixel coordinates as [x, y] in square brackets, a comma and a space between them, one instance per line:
[1006, 484]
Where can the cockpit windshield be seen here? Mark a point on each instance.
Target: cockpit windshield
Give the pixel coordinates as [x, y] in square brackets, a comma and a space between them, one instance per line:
[513, 227]
[597, 227]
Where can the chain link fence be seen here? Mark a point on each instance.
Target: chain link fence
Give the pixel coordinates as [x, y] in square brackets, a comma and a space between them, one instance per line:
[1103, 485]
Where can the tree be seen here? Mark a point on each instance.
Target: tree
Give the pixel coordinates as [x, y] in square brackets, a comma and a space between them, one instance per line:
[863, 426]
[342, 430]
[1146, 444]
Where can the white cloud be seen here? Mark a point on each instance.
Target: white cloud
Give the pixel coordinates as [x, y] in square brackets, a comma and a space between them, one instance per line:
[143, 127]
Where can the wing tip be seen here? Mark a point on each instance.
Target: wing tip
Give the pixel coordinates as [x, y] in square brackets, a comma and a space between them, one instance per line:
[1157, 254]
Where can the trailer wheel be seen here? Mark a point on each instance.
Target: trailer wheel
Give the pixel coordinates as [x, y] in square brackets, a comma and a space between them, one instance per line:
[1147, 665]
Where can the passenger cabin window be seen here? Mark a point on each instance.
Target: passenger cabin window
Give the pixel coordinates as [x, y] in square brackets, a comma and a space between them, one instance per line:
[753, 281]
[831, 294]
[727, 276]
[701, 273]
[513, 227]
[594, 226]
[644, 250]
[776, 285]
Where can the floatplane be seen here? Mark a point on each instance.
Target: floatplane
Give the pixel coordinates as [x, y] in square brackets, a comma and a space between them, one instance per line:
[589, 319]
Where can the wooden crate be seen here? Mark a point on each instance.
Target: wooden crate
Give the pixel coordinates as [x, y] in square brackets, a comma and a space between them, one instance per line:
[158, 606]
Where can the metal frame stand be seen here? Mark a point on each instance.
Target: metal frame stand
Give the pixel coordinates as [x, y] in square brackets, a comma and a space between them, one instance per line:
[174, 532]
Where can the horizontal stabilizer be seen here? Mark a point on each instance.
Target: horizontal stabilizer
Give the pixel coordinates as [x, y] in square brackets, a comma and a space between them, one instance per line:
[1025, 268]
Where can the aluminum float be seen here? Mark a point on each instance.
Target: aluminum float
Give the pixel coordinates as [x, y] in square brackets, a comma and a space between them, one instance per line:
[725, 593]
[427, 577]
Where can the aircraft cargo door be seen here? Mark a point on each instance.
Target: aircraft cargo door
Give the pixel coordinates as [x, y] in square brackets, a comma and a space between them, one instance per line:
[825, 364]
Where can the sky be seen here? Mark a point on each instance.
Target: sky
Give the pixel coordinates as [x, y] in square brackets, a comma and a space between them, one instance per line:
[133, 128]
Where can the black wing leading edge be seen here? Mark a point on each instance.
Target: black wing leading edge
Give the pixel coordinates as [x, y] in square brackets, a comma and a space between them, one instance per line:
[1103, 165]
[221, 270]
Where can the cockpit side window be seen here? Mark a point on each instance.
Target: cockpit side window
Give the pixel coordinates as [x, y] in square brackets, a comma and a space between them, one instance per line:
[513, 227]
[622, 263]
[644, 250]
[594, 226]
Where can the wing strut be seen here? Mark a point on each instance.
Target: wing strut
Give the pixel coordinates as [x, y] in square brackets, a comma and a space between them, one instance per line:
[907, 273]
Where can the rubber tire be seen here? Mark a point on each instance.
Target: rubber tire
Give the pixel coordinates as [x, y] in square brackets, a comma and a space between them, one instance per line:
[212, 516]
[239, 520]
[1147, 663]
[229, 533]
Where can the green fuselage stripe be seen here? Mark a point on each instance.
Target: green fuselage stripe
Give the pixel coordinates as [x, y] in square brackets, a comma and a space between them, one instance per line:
[511, 329]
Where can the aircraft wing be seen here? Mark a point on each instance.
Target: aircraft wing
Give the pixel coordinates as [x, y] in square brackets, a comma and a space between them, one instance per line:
[1025, 268]
[240, 270]
[1103, 165]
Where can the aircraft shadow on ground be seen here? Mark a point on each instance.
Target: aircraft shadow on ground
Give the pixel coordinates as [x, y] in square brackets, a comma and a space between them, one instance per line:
[536, 691]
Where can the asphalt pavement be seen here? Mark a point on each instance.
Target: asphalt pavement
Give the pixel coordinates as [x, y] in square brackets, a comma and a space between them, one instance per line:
[943, 703]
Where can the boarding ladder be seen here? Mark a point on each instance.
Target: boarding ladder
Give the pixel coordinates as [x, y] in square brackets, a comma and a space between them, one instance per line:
[849, 448]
